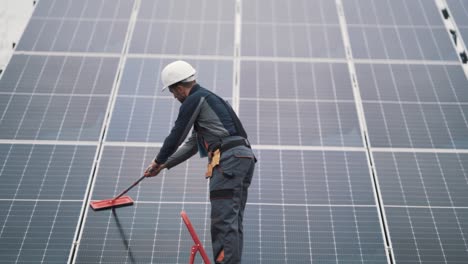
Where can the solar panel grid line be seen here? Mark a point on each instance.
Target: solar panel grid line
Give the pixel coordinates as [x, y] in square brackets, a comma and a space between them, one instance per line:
[40, 31]
[180, 56]
[269, 204]
[237, 53]
[298, 99]
[53, 94]
[28, 159]
[408, 212]
[34, 209]
[303, 172]
[433, 87]
[440, 243]
[291, 23]
[68, 54]
[16, 85]
[183, 208]
[90, 187]
[381, 202]
[330, 211]
[395, 26]
[69, 101]
[283, 148]
[431, 213]
[439, 165]
[416, 102]
[48, 142]
[40, 200]
[291, 59]
[405, 61]
[106, 233]
[59, 203]
[420, 150]
[278, 125]
[80, 19]
[390, 255]
[413, 27]
[29, 222]
[346, 165]
[414, 33]
[426, 207]
[17, 188]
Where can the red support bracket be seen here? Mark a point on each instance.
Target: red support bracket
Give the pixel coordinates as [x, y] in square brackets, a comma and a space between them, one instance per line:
[197, 247]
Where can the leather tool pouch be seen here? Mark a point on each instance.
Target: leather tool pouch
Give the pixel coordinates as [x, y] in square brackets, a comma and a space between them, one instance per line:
[214, 161]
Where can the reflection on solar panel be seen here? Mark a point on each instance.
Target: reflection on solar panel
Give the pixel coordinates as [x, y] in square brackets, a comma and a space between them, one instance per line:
[357, 111]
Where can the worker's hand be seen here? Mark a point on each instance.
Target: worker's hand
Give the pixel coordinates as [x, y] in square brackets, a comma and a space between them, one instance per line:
[154, 169]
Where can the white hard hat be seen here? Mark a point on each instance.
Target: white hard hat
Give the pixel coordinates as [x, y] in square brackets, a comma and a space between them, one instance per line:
[177, 71]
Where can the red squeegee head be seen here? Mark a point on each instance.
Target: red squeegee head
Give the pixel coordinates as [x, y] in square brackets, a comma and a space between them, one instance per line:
[109, 203]
[118, 201]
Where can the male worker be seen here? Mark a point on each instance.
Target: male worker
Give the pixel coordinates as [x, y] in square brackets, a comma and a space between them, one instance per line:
[217, 133]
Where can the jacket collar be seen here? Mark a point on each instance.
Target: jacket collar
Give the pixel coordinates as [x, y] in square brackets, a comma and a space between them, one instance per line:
[195, 88]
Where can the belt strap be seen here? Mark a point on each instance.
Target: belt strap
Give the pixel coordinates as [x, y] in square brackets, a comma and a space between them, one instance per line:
[234, 143]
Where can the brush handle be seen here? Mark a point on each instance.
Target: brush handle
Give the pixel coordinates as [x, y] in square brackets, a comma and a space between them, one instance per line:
[128, 189]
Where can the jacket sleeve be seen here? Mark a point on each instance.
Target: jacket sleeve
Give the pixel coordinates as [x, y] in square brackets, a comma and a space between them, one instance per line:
[188, 113]
[187, 150]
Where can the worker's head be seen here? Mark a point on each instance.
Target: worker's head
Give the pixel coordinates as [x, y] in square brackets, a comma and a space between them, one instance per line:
[179, 78]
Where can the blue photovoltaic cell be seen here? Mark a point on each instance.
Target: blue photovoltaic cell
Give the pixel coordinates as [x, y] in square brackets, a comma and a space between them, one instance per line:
[286, 29]
[81, 26]
[149, 230]
[52, 117]
[290, 80]
[143, 233]
[185, 27]
[191, 11]
[301, 123]
[142, 119]
[73, 35]
[412, 125]
[183, 37]
[424, 235]
[295, 94]
[401, 43]
[422, 179]
[392, 12]
[141, 76]
[121, 166]
[69, 9]
[311, 177]
[388, 30]
[291, 40]
[59, 75]
[412, 83]
[41, 231]
[312, 234]
[45, 171]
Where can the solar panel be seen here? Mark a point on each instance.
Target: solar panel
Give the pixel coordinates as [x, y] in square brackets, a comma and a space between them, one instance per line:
[77, 26]
[357, 112]
[408, 30]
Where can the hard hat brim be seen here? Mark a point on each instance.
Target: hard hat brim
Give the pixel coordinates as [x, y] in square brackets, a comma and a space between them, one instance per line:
[189, 79]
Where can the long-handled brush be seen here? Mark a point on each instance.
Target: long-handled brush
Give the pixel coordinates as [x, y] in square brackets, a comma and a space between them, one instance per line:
[117, 201]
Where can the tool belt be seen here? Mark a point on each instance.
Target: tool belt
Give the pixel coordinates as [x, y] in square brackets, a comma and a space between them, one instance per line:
[215, 155]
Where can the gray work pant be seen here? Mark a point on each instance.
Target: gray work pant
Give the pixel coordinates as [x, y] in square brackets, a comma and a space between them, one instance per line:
[228, 196]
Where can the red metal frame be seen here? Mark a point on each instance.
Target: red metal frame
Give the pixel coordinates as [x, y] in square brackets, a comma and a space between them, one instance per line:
[198, 247]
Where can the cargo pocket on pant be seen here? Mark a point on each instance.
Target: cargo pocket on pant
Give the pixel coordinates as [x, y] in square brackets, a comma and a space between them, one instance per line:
[238, 164]
[221, 194]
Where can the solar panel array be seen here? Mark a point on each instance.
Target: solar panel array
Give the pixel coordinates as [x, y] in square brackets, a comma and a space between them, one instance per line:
[357, 112]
